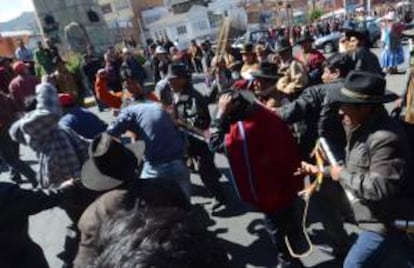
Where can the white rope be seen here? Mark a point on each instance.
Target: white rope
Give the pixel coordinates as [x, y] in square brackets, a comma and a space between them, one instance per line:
[308, 240]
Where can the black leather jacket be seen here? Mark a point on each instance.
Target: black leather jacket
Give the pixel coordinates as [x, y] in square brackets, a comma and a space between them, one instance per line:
[319, 115]
[192, 108]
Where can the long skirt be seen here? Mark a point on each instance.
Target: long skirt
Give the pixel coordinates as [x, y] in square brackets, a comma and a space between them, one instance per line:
[392, 58]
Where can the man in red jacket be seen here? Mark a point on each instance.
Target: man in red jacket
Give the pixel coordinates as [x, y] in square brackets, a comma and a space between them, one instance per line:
[263, 156]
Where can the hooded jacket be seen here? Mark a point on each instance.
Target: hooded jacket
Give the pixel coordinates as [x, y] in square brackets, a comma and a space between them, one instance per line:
[61, 152]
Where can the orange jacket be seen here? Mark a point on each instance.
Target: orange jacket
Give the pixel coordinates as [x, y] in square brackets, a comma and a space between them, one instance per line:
[113, 99]
[110, 98]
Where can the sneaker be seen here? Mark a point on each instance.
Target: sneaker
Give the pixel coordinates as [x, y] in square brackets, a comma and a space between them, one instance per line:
[218, 205]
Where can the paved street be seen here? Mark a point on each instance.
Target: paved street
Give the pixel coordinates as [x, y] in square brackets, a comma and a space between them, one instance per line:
[241, 230]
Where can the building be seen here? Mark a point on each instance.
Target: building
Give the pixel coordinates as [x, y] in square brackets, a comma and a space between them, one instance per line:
[124, 17]
[8, 41]
[54, 15]
[198, 22]
[193, 24]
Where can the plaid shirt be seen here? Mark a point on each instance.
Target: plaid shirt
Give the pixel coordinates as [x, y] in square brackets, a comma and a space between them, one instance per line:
[60, 150]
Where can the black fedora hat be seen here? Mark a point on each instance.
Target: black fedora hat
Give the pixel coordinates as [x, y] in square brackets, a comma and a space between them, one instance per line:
[268, 71]
[247, 48]
[110, 163]
[363, 88]
[349, 26]
[306, 38]
[177, 70]
[282, 45]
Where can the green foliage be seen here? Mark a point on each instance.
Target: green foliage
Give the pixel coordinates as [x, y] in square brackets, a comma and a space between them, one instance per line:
[315, 14]
[140, 58]
[74, 62]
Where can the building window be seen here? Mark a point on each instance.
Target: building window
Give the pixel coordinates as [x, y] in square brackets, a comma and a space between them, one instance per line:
[215, 20]
[122, 4]
[92, 16]
[181, 30]
[200, 25]
[106, 9]
[49, 20]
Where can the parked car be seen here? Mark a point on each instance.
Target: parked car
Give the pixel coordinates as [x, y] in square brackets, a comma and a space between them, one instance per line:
[251, 37]
[330, 42]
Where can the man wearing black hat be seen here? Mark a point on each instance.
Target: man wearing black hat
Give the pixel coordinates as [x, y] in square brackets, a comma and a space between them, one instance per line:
[359, 49]
[112, 169]
[294, 78]
[376, 172]
[264, 85]
[250, 63]
[312, 59]
[192, 114]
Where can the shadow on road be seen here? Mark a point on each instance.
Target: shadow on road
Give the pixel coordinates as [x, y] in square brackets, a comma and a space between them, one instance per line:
[257, 253]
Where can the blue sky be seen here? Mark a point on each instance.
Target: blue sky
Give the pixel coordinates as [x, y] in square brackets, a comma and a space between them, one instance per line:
[10, 9]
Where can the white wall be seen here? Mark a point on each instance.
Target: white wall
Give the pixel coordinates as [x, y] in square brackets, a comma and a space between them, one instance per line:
[196, 22]
[153, 14]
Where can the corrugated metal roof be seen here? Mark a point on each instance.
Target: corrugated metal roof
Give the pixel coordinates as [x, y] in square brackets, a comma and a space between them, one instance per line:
[174, 18]
[16, 33]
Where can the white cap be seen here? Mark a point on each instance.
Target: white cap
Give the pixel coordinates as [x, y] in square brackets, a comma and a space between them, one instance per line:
[160, 50]
[126, 50]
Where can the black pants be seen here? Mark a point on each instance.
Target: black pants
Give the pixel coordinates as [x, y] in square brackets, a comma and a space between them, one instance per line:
[332, 206]
[74, 208]
[209, 173]
[198, 67]
[9, 151]
[281, 223]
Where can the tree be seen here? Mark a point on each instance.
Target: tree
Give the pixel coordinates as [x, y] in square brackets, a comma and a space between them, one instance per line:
[315, 14]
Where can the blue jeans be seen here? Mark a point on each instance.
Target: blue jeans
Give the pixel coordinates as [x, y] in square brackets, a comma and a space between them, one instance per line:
[174, 170]
[377, 250]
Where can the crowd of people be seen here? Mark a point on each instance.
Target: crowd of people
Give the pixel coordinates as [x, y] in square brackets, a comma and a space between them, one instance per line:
[126, 186]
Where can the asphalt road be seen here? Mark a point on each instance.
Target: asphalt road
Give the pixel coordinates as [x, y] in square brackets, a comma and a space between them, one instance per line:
[240, 229]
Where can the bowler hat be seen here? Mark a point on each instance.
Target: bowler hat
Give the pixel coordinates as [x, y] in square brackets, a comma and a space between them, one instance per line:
[306, 38]
[177, 70]
[352, 29]
[267, 70]
[362, 88]
[282, 45]
[247, 48]
[110, 163]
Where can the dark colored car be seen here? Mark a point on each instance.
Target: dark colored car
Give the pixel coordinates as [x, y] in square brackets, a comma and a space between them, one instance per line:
[330, 42]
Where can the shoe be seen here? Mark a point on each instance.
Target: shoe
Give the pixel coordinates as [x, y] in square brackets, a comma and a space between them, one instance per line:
[218, 205]
[334, 252]
[35, 184]
[17, 179]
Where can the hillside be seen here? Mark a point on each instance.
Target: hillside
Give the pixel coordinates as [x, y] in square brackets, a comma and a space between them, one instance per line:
[26, 21]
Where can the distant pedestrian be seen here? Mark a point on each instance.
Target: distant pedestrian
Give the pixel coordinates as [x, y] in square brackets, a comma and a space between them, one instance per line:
[392, 54]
